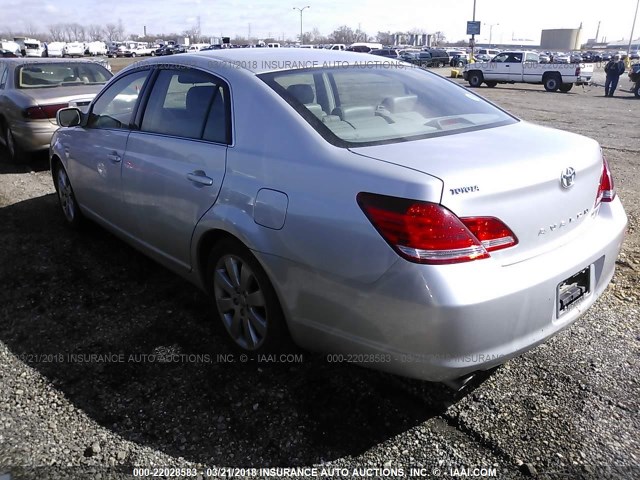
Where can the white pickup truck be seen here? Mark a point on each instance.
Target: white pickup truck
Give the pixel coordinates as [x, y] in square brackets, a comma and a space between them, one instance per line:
[524, 67]
[138, 49]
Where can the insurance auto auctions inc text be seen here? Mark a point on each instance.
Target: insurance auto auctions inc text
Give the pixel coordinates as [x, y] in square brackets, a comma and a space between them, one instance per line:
[358, 472]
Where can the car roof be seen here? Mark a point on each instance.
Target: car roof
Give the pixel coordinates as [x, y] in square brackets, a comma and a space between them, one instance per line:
[27, 60]
[261, 60]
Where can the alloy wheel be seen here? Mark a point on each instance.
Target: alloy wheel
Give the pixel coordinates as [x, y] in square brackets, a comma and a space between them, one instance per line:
[65, 194]
[240, 301]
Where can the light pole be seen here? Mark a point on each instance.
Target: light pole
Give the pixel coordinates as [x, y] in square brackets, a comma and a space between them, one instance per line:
[491, 25]
[473, 37]
[633, 27]
[301, 10]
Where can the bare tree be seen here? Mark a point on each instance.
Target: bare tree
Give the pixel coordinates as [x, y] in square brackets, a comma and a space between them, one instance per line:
[78, 32]
[343, 34]
[360, 36]
[193, 33]
[95, 32]
[439, 38]
[6, 32]
[30, 30]
[316, 37]
[56, 32]
[385, 38]
[111, 32]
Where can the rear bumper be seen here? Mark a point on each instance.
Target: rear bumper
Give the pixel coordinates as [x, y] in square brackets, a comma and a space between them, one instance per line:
[33, 135]
[441, 322]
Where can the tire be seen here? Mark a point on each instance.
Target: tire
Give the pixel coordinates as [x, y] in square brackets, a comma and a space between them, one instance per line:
[475, 79]
[552, 83]
[133, 55]
[565, 87]
[67, 198]
[14, 151]
[245, 300]
[153, 54]
[491, 83]
[636, 90]
[460, 64]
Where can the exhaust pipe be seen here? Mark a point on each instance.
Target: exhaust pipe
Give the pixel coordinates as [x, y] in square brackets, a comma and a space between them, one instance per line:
[458, 384]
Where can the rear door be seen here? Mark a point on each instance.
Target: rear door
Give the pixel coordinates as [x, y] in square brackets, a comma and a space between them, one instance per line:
[175, 163]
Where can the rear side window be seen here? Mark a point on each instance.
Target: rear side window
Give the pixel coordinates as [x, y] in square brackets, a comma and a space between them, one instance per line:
[188, 103]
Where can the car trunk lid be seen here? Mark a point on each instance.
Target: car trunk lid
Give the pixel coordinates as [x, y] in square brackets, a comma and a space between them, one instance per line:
[541, 183]
[67, 96]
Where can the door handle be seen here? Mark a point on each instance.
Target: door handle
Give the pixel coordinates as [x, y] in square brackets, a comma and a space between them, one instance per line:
[507, 66]
[200, 178]
[114, 157]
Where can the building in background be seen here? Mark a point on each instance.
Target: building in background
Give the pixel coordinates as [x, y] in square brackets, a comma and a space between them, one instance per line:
[414, 39]
[562, 39]
[622, 45]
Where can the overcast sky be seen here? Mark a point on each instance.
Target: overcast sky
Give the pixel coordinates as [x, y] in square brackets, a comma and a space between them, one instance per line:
[511, 18]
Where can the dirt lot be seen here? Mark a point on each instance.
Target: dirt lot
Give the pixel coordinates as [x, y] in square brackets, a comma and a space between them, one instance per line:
[567, 409]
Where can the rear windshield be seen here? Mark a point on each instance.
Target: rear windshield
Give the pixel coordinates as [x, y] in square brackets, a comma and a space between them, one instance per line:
[39, 75]
[382, 103]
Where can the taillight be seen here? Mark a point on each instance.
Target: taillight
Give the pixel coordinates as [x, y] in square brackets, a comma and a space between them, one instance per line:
[577, 71]
[425, 232]
[43, 112]
[492, 233]
[606, 190]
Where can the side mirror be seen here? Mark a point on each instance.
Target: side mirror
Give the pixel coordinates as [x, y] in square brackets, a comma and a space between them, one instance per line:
[69, 117]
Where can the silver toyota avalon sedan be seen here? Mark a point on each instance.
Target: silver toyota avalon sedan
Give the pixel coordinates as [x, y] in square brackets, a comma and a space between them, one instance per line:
[353, 204]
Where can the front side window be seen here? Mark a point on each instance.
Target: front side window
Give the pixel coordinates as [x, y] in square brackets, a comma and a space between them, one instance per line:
[386, 103]
[114, 108]
[42, 75]
[188, 103]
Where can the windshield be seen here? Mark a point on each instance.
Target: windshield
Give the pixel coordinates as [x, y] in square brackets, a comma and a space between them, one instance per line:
[382, 103]
[38, 75]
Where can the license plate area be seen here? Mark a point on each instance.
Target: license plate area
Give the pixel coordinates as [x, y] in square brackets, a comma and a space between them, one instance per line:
[573, 290]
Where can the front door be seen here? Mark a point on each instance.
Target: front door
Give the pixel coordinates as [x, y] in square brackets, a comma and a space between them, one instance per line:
[99, 146]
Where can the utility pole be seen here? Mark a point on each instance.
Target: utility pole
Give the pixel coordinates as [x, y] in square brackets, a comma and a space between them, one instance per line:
[301, 10]
[491, 25]
[597, 32]
[633, 27]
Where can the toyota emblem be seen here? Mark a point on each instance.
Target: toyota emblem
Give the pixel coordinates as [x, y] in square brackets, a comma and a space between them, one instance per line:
[568, 177]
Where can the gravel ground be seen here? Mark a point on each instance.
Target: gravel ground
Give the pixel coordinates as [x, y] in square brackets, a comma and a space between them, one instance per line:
[567, 409]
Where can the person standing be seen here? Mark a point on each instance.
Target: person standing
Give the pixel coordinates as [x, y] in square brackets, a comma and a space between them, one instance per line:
[614, 68]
